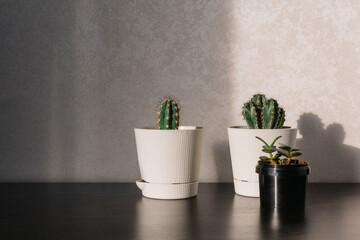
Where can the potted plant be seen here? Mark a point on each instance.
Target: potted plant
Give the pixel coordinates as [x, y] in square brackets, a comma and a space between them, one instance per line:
[282, 179]
[169, 156]
[264, 118]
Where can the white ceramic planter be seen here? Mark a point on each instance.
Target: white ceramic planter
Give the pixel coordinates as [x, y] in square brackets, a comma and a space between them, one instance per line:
[169, 161]
[245, 150]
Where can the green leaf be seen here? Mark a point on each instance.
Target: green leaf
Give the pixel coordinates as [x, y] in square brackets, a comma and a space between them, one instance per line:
[286, 148]
[269, 150]
[295, 149]
[283, 153]
[263, 141]
[272, 144]
[268, 147]
[264, 158]
[294, 154]
[275, 158]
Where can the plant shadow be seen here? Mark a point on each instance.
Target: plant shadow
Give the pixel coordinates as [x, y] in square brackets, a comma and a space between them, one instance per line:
[322, 146]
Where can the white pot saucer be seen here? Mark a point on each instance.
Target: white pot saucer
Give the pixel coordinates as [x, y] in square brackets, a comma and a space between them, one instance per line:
[246, 188]
[168, 191]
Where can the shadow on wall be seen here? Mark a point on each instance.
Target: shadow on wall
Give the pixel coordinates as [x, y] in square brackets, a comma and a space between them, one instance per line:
[330, 159]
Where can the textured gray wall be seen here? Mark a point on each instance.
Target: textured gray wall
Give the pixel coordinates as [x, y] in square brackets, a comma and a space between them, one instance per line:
[78, 76]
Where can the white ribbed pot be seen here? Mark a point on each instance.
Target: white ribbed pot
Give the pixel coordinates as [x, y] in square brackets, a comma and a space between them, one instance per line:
[245, 151]
[169, 161]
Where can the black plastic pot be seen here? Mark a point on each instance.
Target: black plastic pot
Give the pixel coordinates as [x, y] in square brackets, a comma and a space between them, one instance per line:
[282, 186]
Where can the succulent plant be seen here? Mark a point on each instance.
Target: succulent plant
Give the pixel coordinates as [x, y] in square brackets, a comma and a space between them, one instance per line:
[168, 114]
[282, 151]
[289, 153]
[261, 113]
[270, 149]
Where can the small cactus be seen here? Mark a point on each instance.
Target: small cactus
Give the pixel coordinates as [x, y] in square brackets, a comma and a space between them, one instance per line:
[168, 114]
[261, 113]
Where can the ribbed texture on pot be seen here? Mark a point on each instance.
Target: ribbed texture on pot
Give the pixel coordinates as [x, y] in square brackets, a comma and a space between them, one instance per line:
[169, 156]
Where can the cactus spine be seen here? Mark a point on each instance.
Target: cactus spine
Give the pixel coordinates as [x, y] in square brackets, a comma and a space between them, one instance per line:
[261, 113]
[168, 114]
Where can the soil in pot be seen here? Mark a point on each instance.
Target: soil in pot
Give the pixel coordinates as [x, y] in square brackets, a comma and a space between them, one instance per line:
[283, 186]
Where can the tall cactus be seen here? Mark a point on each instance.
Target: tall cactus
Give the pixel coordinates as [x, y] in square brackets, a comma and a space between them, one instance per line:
[168, 114]
[260, 113]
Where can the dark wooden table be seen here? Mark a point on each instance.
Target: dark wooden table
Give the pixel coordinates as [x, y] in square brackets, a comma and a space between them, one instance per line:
[118, 211]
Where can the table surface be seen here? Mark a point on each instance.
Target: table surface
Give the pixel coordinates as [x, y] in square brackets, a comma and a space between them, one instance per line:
[118, 211]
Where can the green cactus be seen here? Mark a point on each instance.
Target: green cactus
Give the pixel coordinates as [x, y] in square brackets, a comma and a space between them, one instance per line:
[168, 114]
[250, 114]
[270, 113]
[281, 118]
[261, 113]
[258, 100]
